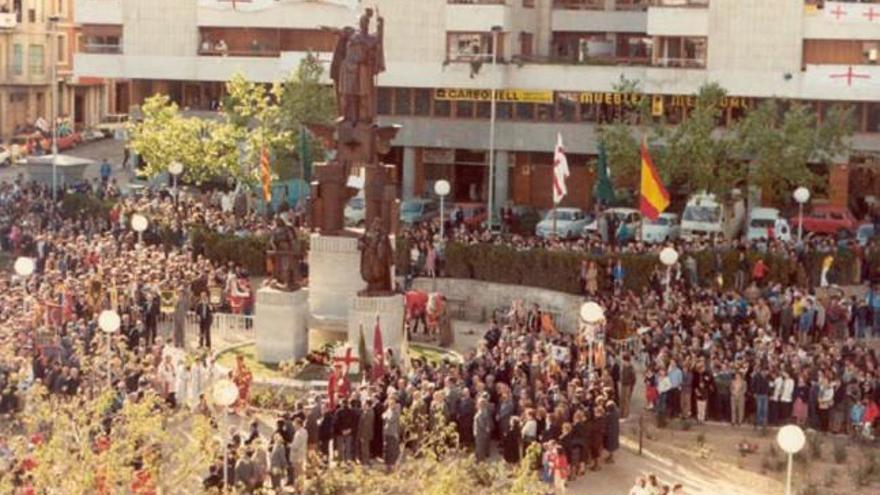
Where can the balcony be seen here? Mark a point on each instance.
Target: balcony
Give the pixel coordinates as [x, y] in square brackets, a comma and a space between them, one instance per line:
[579, 4]
[607, 60]
[675, 21]
[680, 3]
[482, 15]
[8, 20]
[111, 48]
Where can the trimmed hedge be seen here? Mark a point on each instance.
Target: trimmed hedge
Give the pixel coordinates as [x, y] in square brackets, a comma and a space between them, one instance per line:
[558, 270]
[78, 205]
[249, 252]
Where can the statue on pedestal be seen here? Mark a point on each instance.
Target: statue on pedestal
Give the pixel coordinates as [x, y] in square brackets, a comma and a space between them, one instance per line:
[284, 256]
[376, 260]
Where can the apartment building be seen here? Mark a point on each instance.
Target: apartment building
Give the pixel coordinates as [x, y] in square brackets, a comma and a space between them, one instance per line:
[557, 64]
[34, 34]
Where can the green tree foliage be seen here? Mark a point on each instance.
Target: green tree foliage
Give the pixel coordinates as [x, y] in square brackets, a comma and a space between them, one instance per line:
[621, 137]
[696, 157]
[256, 116]
[778, 143]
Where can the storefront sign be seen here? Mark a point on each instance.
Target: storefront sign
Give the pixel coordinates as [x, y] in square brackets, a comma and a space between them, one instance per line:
[658, 102]
[503, 95]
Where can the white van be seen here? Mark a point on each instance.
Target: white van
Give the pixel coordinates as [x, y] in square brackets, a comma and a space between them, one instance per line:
[705, 216]
[761, 220]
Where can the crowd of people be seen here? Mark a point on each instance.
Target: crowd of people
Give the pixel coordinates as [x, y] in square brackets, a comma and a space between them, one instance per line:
[758, 352]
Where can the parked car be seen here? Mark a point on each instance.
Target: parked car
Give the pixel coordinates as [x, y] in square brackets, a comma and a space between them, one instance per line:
[828, 219]
[570, 222]
[111, 123]
[865, 233]
[666, 228]
[631, 217]
[474, 214]
[5, 156]
[22, 145]
[413, 211]
[355, 211]
[762, 220]
[707, 215]
[65, 142]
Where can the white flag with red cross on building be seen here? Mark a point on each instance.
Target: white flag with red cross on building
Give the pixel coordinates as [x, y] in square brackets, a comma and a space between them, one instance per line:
[846, 78]
[852, 13]
[257, 5]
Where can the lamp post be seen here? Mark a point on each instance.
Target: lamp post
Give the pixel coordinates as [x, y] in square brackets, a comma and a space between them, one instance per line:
[175, 168]
[593, 316]
[801, 196]
[668, 256]
[441, 188]
[225, 393]
[53, 43]
[109, 323]
[24, 267]
[496, 30]
[139, 224]
[791, 440]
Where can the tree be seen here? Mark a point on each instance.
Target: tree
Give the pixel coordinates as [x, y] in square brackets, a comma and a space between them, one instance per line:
[779, 142]
[620, 135]
[206, 148]
[81, 446]
[696, 156]
[255, 117]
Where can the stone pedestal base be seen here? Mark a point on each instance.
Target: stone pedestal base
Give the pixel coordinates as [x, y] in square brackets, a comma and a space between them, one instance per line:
[390, 310]
[281, 325]
[334, 275]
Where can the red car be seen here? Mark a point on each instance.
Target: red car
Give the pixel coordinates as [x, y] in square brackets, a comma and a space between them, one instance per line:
[474, 214]
[827, 219]
[64, 142]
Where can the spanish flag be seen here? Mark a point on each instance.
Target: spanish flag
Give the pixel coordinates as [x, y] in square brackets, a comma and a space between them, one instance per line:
[266, 175]
[654, 198]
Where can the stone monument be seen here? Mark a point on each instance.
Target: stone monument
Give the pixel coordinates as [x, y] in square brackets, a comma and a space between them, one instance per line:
[339, 302]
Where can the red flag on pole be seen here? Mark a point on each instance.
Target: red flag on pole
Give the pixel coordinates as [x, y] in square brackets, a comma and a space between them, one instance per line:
[266, 175]
[378, 370]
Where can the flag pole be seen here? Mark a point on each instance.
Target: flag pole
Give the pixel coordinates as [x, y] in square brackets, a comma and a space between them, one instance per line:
[554, 219]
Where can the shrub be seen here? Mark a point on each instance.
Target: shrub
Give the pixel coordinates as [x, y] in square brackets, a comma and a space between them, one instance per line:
[249, 252]
[839, 453]
[78, 205]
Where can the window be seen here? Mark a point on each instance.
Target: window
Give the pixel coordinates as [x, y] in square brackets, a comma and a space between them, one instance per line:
[504, 110]
[422, 102]
[873, 117]
[525, 111]
[402, 101]
[464, 109]
[465, 47]
[17, 59]
[529, 4]
[484, 109]
[526, 42]
[36, 59]
[62, 49]
[566, 107]
[32, 16]
[383, 103]
[682, 51]
[442, 108]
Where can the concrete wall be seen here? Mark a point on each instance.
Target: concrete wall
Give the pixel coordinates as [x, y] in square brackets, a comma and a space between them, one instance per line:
[482, 298]
[98, 12]
[160, 28]
[755, 35]
[599, 20]
[676, 21]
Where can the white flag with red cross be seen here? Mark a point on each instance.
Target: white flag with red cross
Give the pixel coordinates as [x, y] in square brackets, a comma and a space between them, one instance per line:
[560, 171]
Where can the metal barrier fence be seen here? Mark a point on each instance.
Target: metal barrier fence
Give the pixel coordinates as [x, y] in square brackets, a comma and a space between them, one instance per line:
[225, 327]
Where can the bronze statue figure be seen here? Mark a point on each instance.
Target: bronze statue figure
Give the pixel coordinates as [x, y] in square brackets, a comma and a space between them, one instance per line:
[376, 260]
[284, 255]
[357, 59]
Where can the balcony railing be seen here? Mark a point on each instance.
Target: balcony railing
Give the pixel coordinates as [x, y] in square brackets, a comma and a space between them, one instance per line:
[102, 49]
[681, 63]
[572, 60]
[249, 52]
[631, 5]
[477, 2]
[680, 3]
[579, 4]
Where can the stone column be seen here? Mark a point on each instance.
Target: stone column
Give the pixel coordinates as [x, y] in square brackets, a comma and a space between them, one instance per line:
[409, 172]
[502, 174]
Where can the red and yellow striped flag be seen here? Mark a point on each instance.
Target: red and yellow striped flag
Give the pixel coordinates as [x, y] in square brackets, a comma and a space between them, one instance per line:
[654, 198]
[266, 175]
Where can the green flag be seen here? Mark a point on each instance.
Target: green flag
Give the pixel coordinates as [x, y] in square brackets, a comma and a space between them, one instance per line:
[362, 351]
[305, 154]
[604, 187]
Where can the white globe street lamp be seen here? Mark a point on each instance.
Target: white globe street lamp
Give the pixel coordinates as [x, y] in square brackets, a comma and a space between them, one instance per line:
[139, 224]
[24, 266]
[791, 440]
[109, 323]
[668, 256]
[593, 316]
[801, 196]
[224, 393]
[175, 168]
[442, 188]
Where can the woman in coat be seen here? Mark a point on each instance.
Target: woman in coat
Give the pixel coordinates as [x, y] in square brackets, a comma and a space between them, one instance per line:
[277, 462]
[510, 444]
[612, 430]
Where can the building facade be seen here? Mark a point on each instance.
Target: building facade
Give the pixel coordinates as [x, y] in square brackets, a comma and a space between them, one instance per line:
[557, 66]
[34, 35]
